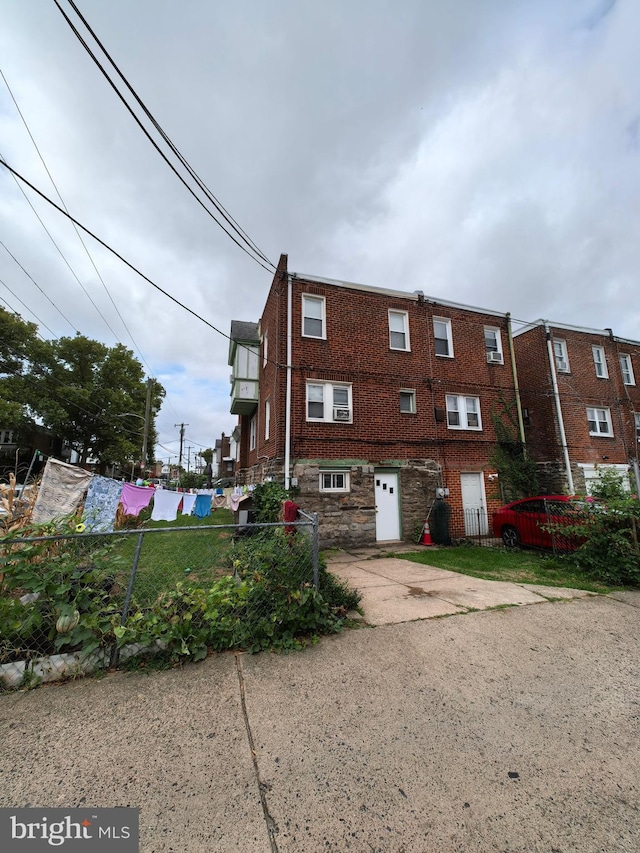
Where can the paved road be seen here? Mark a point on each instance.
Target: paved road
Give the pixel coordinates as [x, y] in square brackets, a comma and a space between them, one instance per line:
[512, 730]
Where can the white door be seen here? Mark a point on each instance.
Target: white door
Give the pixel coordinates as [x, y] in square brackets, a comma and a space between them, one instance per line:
[474, 504]
[387, 507]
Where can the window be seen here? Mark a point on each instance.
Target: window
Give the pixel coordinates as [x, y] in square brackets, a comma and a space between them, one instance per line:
[265, 349]
[408, 402]
[600, 362]
[493, 345]
[627, 370]
[6, 436]
[334, 481]
[637, 417]
[313, 317]
[442, 336]
[328, 402]
[599, 422]
[463, 412]
[560, 352]
[267, 419]
[399, 330]
[252, 433]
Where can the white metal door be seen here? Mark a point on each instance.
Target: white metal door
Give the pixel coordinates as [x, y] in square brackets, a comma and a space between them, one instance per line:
[474, 504]
[387, 507]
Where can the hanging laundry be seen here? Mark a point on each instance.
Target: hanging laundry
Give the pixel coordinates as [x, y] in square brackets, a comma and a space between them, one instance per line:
[165, 505]
[135, 498]
[202, 506]
[60, 492]
[101, 504]
[188, 502]
[234, 501]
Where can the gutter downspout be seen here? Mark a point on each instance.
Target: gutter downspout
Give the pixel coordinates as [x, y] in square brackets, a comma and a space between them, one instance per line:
[287, 427]
[516, 387]
[556, 396]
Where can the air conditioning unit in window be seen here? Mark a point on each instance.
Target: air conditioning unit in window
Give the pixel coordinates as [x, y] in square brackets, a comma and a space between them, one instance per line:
[562, 365]
[342, 414]
[494, 357]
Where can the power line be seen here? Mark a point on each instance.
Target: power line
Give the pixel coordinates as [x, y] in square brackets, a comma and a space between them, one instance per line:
[246, 250]
[34, 281]
[15, 296]
[84, 245]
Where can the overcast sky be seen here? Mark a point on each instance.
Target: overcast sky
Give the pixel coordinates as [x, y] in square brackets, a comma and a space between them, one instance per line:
[484, 151]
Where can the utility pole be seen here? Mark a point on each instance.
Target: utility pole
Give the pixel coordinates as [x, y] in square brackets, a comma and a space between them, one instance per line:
[189, 459]
[147, 414]
[182, 426]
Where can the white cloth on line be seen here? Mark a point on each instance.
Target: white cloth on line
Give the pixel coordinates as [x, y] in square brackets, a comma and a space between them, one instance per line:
[165, 505]
[188, 502]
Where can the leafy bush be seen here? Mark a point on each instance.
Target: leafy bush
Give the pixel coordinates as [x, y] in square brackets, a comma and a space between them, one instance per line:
[267, 499]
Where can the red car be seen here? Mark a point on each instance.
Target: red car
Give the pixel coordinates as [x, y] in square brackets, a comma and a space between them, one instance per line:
[523, 522]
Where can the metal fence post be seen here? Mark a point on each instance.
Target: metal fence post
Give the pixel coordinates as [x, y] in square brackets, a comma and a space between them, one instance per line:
[127, 598]
[316, 552]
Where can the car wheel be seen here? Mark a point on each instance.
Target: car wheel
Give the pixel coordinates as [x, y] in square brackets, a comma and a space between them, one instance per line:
[510, 537]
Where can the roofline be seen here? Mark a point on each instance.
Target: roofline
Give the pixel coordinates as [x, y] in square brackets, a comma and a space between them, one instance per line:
[415, 296]
[606, 333]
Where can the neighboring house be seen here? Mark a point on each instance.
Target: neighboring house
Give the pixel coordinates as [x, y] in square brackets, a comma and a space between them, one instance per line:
[367, 400]
[17, 449]
[223, 462]
[580, 402]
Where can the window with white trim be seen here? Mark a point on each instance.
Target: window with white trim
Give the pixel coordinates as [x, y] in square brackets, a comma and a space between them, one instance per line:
[399, 330]
[627, 370]
[252, 433]
[600, 362]
[637, 417]
[267, 419]
[334, 481]
[599, 421]
[6, 436]
[265, 348]
[408, 401]
[442, 336]
[313, 316]
[329, 402]
[560, 353]
[463, 412]
[493, 345]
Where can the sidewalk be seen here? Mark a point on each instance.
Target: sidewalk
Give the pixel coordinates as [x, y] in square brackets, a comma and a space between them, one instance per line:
[396, 590]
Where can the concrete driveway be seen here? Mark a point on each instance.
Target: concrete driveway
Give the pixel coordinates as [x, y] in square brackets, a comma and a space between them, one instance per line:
[505, 730]
[395, 590]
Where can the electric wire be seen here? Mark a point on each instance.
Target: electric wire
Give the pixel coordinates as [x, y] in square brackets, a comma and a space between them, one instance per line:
[216, 202]
[154, 143]
[30, 310]
[66, 319]
[84, 245]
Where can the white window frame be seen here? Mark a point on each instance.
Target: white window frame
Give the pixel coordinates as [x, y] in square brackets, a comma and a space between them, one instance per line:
[411, 395]
[333, 481]
[328, 401]
[265, 349]
[496, 331]
[447, 324]
[637, 419]
[593, 416]
[404, 317]
[312, 297]
[600, 361]
[252, 433]
[462, 409]
[6, 436]
[626, 368]
[561, 356]
[267, 419]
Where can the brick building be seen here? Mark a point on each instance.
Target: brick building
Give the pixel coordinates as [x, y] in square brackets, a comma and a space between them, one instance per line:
[580, 401]
[368, 400]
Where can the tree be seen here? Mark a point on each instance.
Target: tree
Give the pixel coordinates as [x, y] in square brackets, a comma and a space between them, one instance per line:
[19, 347]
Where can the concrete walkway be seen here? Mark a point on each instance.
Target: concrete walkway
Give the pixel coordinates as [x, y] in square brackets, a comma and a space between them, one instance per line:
[395, 590]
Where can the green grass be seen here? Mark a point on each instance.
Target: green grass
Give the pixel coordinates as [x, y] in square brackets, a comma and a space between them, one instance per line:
[501, 564]
[195, 554]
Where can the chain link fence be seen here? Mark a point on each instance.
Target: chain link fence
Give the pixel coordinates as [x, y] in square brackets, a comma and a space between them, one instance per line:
[73, 604]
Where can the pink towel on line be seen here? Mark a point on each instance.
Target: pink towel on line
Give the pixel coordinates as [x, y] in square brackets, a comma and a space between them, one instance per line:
[135, 498]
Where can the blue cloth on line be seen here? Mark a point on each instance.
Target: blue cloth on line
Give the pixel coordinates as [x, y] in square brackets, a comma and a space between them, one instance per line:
[101, 504]
[202, 506]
